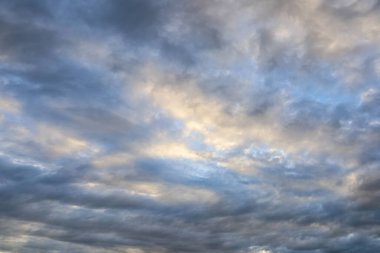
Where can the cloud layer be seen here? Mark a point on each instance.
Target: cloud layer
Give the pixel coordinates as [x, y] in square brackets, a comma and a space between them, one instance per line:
[190, 126]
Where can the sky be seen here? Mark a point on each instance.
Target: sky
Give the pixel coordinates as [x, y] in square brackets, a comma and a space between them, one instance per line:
[188, 126]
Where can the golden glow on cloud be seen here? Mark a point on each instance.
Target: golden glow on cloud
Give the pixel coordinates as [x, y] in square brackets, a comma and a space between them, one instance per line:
[111, 160]
[57, 142]
[183, 100]
[175, 193]
[162, 192]
[8, 104]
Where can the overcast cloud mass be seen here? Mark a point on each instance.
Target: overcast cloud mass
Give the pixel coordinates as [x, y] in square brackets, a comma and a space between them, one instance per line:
[179, 126]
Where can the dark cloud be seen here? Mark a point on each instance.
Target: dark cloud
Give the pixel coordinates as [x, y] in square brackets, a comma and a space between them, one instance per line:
[27, 44]
[136, 20]
[28, 9]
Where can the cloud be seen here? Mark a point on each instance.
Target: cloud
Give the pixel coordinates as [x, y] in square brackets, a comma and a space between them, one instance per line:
[189, 126]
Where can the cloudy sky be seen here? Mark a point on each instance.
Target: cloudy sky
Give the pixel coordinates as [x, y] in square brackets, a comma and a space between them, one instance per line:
[188, 126]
